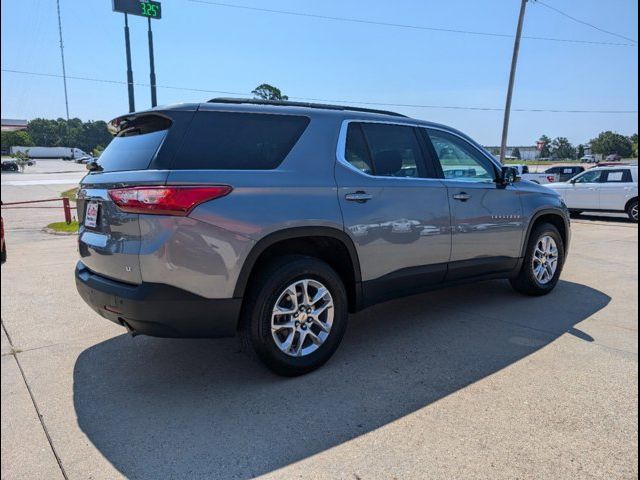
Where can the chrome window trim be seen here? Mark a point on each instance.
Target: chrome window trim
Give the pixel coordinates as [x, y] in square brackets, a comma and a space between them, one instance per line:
[481, 151]
[342, 149]
[342, 146]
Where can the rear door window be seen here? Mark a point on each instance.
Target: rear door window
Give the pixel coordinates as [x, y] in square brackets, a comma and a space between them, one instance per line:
[239, 141]
[384, 150]
[618, 176]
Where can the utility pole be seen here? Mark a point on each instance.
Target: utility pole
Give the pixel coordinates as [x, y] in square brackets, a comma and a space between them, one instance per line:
[512, 77]
[127, 45]
[152, 65]
[64, 71]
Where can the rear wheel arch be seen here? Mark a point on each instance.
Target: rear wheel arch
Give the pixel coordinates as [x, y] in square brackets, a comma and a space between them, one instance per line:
[328, 244]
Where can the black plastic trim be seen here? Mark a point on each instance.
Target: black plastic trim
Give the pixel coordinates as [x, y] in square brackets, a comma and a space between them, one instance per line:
[156, 309]
[292, 233]
[414, 280]
[564, 215]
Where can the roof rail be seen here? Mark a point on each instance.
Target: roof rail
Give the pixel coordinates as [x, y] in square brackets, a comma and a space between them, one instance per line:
[282, 103]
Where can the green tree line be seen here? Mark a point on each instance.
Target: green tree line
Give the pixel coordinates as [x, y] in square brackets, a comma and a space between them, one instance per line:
[41, 132]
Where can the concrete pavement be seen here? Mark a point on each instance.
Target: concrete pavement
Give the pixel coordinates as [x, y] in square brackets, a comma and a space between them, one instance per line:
[470, 382]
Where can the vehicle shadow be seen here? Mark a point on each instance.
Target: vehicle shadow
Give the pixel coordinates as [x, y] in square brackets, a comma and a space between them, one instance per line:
[161, 408]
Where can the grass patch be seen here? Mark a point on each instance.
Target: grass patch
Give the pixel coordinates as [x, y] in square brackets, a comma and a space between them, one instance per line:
[62, 227]
[71, 194]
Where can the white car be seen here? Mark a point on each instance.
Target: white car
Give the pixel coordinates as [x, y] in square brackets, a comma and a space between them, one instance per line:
[602, 189]
[539, 178]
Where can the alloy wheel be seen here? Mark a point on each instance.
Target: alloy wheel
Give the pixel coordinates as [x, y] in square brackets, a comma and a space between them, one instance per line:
[545, 260]
[302, 318]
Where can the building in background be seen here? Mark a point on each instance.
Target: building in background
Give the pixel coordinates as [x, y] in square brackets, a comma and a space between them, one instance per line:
[13, 125]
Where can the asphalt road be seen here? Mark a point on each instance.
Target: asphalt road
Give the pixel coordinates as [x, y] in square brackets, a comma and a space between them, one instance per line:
[470, 382]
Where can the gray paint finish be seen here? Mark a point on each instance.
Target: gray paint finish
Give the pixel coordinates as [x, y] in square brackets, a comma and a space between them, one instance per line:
[409, 222]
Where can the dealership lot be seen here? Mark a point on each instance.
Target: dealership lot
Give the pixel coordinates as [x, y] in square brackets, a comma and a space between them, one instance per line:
[470, 382]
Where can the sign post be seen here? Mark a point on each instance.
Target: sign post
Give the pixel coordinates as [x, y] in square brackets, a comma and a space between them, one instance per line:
[142, 8]
[127, 46]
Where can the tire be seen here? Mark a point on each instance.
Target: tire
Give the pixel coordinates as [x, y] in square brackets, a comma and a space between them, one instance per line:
[527, 282]
[632, 211]
[270, 287]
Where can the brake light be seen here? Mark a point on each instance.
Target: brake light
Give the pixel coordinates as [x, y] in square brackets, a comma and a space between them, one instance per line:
[169, 200]
[551, 179]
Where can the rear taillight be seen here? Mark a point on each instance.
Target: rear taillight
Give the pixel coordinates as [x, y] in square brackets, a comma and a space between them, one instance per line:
[551, 179]
[169, 200]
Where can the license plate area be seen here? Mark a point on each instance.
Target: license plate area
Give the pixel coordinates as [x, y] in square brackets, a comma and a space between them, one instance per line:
[91, 215]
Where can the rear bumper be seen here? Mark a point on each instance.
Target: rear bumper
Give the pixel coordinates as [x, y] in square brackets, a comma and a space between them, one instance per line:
[157, 309]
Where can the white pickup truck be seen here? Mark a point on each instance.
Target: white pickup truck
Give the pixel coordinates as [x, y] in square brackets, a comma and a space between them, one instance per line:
[602, 189]
[539, 178]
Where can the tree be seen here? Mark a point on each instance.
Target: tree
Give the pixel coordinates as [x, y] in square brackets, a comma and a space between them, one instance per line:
[561, 148]
[609, 142]
[634, 145]
[16, 139]
[516, 153]
[545, 152]
[269, 92]
[580, 152]
[73, 133]
[22, 159]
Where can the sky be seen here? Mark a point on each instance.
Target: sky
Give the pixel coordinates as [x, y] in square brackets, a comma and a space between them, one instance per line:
[209, 47]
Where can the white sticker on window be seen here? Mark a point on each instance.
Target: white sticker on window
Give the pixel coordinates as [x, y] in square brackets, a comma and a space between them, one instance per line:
[615, 177]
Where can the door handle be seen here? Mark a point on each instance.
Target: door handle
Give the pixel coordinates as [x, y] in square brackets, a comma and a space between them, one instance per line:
[359, 196]
[463, 196]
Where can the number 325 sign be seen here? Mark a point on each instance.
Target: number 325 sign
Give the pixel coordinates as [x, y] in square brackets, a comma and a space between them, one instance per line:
[142, 8]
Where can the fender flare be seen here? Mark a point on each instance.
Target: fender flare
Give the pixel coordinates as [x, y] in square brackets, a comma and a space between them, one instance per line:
[288, 234]
[547, 211]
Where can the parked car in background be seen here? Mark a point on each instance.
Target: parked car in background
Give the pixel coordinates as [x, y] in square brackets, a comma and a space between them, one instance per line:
[614, 157]
[256, 217]
[565, 173]
[10, 166]
[589, 159]
[602, 189]
[539, 178]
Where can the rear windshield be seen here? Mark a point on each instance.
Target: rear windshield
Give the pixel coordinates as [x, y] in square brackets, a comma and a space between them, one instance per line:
[136, 144]
[239, 141]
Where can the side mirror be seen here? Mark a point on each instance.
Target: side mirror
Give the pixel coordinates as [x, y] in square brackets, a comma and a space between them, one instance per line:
[509, 175]
[572, 181]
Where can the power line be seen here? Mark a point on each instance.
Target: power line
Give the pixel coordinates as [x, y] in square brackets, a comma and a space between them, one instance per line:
[577, 20]
[407, 26]
[325, 100]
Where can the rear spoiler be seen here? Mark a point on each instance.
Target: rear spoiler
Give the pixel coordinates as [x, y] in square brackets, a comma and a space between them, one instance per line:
[139, 123]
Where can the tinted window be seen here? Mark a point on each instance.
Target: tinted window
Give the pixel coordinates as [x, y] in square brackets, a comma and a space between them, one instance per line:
[239, 141]
[618, 176]
[460, 160]
[357, 152]
[136, 144]
[395, 150]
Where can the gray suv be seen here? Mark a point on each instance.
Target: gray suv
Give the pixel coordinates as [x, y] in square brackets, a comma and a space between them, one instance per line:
[274, 220]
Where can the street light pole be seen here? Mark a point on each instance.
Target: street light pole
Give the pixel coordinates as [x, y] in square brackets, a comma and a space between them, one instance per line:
[127, 45]
[152, 65]
[64, 70]
[512, 77]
